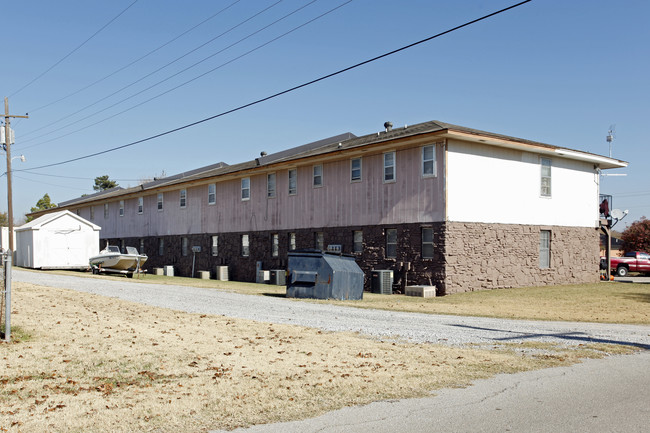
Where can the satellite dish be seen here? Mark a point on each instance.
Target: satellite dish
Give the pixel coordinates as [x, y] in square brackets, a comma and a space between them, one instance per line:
[618, 214]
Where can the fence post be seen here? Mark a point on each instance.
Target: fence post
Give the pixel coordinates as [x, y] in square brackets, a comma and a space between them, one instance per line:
[7, 258]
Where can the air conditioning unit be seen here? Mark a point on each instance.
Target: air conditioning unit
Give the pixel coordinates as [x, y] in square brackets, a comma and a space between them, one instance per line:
[263, 277]
[278, 277]
[334, 248]
[222, 273]
[382, 282]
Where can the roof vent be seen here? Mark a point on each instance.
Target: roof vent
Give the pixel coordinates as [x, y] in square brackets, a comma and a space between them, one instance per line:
[388, 126]
[262, 153]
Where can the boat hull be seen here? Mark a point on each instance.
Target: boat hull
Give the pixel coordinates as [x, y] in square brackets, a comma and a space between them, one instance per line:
[119, 262]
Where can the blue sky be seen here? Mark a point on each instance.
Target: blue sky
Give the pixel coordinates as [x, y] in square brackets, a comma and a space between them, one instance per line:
[555, 71]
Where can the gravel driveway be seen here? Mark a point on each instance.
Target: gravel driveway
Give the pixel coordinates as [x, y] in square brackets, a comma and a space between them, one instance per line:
[444, 329]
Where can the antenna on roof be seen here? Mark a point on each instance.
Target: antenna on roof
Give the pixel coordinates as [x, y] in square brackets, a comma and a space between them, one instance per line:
[611, 134]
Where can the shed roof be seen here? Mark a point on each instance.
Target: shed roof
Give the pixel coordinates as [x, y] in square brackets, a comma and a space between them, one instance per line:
[43, 220]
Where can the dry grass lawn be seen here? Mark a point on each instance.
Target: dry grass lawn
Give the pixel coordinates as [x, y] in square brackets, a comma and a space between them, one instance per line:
[86, 363]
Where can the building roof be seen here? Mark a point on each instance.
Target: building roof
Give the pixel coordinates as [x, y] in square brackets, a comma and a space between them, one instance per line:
[347, 141]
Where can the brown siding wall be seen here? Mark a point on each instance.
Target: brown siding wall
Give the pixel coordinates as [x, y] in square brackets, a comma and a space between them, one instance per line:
[489, 256]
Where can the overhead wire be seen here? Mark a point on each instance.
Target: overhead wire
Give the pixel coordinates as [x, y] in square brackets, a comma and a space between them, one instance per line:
[292, 89]
[137, 81]
[180, 72]
[74, 50]
[133, 62]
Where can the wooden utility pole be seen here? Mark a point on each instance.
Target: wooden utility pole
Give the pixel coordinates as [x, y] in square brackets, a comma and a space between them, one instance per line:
[10, 210]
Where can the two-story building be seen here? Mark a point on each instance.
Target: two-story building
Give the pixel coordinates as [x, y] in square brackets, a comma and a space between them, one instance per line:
[436, 203]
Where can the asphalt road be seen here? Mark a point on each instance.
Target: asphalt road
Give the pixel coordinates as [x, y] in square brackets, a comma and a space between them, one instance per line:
[605, 395]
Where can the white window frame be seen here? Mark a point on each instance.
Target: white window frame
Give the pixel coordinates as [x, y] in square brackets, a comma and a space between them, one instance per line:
[429, 161]
[271, 185]
[245, 246]
[160, 203]
[141, 249]
[546, 179]
[357, 241]
[182, 198]
[293, 189]
[212, 193]
[292, 241]
[140, 205]
[391, 243]
[427, 243]
[275, 245]
[215, 245]
[245, 188]
[353, 169]
[391, 167]
[121, 208]
[545, 237]
[317, 176]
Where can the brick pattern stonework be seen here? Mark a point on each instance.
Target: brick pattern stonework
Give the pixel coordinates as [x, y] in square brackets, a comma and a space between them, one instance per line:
[467, 256]
[490, 256]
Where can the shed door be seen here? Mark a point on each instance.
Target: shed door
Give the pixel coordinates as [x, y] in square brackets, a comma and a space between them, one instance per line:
[66, 249]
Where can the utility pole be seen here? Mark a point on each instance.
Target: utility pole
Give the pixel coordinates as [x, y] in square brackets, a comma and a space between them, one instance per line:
[10, 210]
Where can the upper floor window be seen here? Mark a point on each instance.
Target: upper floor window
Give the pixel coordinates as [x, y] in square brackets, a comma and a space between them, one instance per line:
[160, 201]
[140, 204]
[105, 210]
[183, 198]
[545, 164]
[270, 185]
[389, 167]
[429, 161]
[391, 243]
[318, 176]
[293, 181]
[121, 208]
[246, 188]
[355, 170]
[92, 212]
[212, 193]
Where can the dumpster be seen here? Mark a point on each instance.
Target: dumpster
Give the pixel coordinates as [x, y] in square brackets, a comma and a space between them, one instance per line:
[323, 275]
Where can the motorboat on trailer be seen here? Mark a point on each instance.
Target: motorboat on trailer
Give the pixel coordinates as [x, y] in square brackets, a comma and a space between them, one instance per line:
[112, 260]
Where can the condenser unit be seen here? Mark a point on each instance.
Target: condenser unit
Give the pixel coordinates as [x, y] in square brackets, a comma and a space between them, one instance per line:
[382, 282]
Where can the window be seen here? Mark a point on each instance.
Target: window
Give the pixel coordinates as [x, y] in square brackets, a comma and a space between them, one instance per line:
[246, 188]
[358, 241]
[122, 246]
[319, 241]
[140, 205]
[318, 176]
[161, 246]
[78, 212]
[270, 185]
[292, 241]
[184, 246]
[546, 177]
[212, 193]
[160, 201]
[429, 161]
[245, 246]
[293, 181]
[105, 210]
[183, 198]
[275, 245]
[545, 249]
[92, 212]
[427, 242]
[141, 250]
[355, 170]
[215, 245]
[121, 208]
[389, 167]
[391, 243]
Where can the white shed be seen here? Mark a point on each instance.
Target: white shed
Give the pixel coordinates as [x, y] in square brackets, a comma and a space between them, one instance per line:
[58, 240]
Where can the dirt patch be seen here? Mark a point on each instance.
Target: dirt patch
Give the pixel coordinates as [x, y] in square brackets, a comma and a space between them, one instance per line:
[90, 363]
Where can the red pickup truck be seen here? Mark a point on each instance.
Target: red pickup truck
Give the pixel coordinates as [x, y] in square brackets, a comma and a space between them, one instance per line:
[634, 261]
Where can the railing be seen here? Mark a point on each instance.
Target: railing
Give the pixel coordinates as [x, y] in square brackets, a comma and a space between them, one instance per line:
[605, 206]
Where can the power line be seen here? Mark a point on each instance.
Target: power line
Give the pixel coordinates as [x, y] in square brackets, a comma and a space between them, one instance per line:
[176, 74]
[292, 89]
[133, 62]
[137, 81]
[28, 171]
[73, 51]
